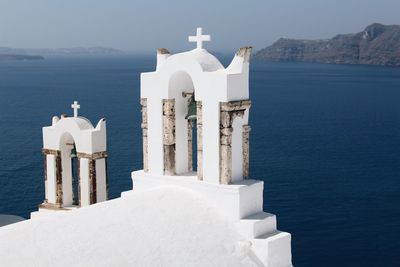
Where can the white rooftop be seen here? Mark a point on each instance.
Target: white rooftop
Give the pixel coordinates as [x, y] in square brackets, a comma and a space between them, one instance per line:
[168, 226]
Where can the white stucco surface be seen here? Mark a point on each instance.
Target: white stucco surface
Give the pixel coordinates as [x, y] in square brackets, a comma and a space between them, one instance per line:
[51, 178]
[84, 172]
[240, 204]
[87, 138]
[167, 226]
[101, 184]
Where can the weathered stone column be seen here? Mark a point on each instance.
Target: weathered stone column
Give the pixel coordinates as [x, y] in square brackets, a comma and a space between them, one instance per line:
[107, 190]
[144, 125]
[45, 178]
[190, 145]
[225, 150]
[169, 136]
[199, 113]
[92, 182]
[72, 181]
[228, 112]
[246, 148]
[95, 183]
[59, 201]
[52, 179]
[78, 163]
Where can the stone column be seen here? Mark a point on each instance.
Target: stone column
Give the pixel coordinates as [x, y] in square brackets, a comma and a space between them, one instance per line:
[93, 178]
[52, 179]
[73, 181]
[199, 110]
[107, 191]
[190, 145]
[228, 112]
[45, 178]
[78, 163]
[169, 136]
[246, 147]
[144, 125]
[225, 149]
[92, 182]
[59, 201]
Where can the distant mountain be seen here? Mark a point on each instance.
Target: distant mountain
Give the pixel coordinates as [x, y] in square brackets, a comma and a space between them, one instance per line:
[377, 45]
[76, 51]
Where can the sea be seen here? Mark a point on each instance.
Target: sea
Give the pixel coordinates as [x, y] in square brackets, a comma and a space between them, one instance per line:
[325, 140]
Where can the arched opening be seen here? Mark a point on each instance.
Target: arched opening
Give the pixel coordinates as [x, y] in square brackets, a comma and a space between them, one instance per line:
[70, 171]
[181, 87]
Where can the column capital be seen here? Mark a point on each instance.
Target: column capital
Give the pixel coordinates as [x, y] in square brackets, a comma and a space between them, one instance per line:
[93, 156]
[235, 105]
[47, 151]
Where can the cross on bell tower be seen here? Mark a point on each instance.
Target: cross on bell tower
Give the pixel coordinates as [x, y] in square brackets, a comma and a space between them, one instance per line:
[75, 106]
[199, 38]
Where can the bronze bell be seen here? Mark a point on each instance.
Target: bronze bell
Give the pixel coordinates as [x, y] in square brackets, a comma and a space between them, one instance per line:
[192, 110]
[73, 152]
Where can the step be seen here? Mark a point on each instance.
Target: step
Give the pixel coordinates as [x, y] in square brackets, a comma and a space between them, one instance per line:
[257, 225]
[273, 249]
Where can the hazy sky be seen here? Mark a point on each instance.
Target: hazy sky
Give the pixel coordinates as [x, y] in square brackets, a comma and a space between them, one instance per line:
[146, 25]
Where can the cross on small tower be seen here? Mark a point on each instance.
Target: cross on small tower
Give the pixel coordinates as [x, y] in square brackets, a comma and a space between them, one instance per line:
[200, 38]
[75, 106]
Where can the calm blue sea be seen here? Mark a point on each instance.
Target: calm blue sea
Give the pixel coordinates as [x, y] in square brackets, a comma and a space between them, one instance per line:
[325, 139]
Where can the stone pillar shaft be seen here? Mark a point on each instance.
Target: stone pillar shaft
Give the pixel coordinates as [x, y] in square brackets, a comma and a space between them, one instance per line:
[169, 137]
[59, 190]
[78, 163]
[199, 113]
[92, 182]
[246, 148]
[190, 145]
[57, 198]
[228, 112]
[45, 178]
[144, 125]
[107, 191]
[225, 148]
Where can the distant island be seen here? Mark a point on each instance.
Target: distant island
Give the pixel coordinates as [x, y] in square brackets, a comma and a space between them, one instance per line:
[7, 53]
[378, 44]
[20, 57]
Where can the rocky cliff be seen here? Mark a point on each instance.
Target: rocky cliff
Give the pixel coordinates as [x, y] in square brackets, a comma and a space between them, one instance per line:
[377, 45]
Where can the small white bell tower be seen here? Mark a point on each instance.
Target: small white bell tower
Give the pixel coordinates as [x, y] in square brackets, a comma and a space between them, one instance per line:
[72, 143]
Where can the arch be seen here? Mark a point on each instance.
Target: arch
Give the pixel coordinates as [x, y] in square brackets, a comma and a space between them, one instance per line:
[69, 178]
[73, 127]
[181, 88]
[199, 66]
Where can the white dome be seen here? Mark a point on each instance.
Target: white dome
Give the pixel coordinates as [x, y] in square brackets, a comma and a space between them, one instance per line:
[83, 123]
[207, 61]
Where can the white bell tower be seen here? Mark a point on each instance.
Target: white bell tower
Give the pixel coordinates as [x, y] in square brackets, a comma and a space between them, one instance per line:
[217, 99]
[193, 92]
[72, 143]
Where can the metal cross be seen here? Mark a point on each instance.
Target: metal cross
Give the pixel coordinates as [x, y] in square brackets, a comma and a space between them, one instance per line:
[200, 38]
[75, 106]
